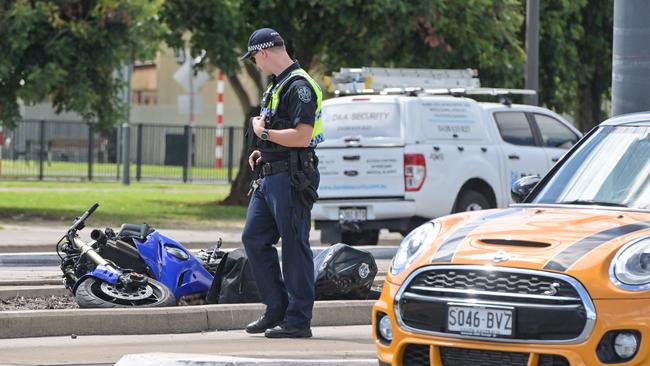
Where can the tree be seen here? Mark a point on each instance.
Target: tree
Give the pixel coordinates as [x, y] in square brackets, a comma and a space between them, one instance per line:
[328, 34]
[576, 57]
[476, 34]
[218, 28]
[595, 53]
[68, 51]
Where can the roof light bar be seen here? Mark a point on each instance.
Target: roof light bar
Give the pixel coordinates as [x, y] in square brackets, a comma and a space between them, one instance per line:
[340, 93]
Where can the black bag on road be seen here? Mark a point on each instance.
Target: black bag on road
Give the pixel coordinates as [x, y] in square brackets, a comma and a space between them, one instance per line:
[233, 281]
[342, 272]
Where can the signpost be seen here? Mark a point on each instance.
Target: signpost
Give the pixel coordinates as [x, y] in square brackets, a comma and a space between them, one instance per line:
[532, 50]
[126, 133]
[191, 82]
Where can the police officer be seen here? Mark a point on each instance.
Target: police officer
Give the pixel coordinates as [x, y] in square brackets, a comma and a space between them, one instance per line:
[288, 128]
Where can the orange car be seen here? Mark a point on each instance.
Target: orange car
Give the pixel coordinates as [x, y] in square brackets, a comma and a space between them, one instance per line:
[562, 278]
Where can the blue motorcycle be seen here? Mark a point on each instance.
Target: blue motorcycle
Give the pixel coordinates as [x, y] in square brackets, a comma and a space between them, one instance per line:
[135, 267]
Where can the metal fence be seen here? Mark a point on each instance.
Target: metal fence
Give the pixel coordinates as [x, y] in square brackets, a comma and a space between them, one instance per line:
[60, 150]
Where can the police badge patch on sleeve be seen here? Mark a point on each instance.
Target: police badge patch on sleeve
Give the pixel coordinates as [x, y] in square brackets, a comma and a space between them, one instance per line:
[304, 94]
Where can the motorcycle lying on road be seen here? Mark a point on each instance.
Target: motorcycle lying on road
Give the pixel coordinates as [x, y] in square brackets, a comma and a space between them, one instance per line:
[125, 269]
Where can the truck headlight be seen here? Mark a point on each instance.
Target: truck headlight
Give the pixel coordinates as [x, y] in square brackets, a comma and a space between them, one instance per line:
[630, 268]
[413, 245]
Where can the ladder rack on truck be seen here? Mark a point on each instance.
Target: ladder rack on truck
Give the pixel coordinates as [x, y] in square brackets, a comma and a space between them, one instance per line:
[414, 82]
[379, 78]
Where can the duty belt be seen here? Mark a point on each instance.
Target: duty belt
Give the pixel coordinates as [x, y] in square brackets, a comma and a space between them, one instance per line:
[274, 167]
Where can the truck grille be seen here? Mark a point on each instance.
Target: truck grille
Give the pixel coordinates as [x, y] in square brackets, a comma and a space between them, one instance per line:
[547, 307]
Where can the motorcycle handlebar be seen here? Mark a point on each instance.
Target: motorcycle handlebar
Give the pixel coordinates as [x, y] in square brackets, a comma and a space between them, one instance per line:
[80, 222]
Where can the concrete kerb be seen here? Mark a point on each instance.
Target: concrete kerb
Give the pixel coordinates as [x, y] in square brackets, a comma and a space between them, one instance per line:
[33, 282]
[169, 359]
[44, 323]
[9, 292]
[187, 319]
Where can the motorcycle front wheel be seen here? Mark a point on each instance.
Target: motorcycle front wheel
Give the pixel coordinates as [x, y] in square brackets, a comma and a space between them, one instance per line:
[95, 293]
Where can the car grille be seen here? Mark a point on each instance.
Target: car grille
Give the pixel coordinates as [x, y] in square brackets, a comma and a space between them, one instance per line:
[473, 357]
[552, 360]
[416, 355]
[492, 281]
[546, 306]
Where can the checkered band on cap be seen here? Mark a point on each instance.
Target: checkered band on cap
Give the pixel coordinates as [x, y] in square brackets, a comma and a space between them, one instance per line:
[261, 46]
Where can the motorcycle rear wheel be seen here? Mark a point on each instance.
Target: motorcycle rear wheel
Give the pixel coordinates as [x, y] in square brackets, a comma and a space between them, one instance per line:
[95, 293]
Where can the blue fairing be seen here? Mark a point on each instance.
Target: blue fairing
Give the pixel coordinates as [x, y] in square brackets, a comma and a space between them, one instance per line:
[104, 273]
[181, 276]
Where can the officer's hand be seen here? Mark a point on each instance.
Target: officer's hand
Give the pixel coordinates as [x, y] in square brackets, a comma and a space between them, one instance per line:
[258, 125]
[254, 159]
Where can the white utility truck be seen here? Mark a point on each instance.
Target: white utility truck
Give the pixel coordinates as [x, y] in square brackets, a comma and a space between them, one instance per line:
[396, 158]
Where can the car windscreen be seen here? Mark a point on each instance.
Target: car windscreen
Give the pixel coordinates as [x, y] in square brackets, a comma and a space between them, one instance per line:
[366, 120]
[612, 168]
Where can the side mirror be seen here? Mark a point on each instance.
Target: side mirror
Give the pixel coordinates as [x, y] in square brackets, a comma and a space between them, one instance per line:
[522, 187]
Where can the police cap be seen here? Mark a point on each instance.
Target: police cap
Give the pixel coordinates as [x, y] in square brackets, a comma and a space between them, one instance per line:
[261, 39]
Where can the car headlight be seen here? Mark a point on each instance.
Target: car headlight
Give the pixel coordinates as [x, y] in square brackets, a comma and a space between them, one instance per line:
[413, 245]
[386, 328]
[630, 268]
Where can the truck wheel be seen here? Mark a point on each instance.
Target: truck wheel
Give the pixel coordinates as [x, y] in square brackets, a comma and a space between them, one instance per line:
[366, 237]
[471, 201]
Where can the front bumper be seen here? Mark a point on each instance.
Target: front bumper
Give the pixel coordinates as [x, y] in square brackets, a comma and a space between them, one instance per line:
[611, 315]
[377, 209]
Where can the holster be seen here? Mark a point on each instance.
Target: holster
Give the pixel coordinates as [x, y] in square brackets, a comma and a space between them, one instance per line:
[302, 167]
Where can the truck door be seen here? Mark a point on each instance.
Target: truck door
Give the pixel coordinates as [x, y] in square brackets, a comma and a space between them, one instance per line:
[521, 154]
[557, 137]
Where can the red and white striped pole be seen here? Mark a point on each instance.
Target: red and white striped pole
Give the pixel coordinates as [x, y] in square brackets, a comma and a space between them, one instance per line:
[218, 140]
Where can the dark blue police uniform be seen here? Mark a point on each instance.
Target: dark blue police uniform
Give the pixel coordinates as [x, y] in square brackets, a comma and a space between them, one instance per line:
[275, 211]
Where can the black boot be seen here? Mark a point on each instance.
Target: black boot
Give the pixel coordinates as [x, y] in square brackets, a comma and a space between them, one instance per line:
[263, 323]
[285, 330]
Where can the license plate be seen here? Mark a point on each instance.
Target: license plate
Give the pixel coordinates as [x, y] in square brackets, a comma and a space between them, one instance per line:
[480, 321]
[352, 214]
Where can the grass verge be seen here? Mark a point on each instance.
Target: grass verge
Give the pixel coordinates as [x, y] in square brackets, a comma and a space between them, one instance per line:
[163, 205]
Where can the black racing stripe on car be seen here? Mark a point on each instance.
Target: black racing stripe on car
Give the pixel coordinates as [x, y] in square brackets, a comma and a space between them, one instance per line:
[447, 249]
[566, 258]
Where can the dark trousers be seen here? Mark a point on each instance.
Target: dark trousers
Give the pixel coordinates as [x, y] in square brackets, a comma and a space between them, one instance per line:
[276, 212]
